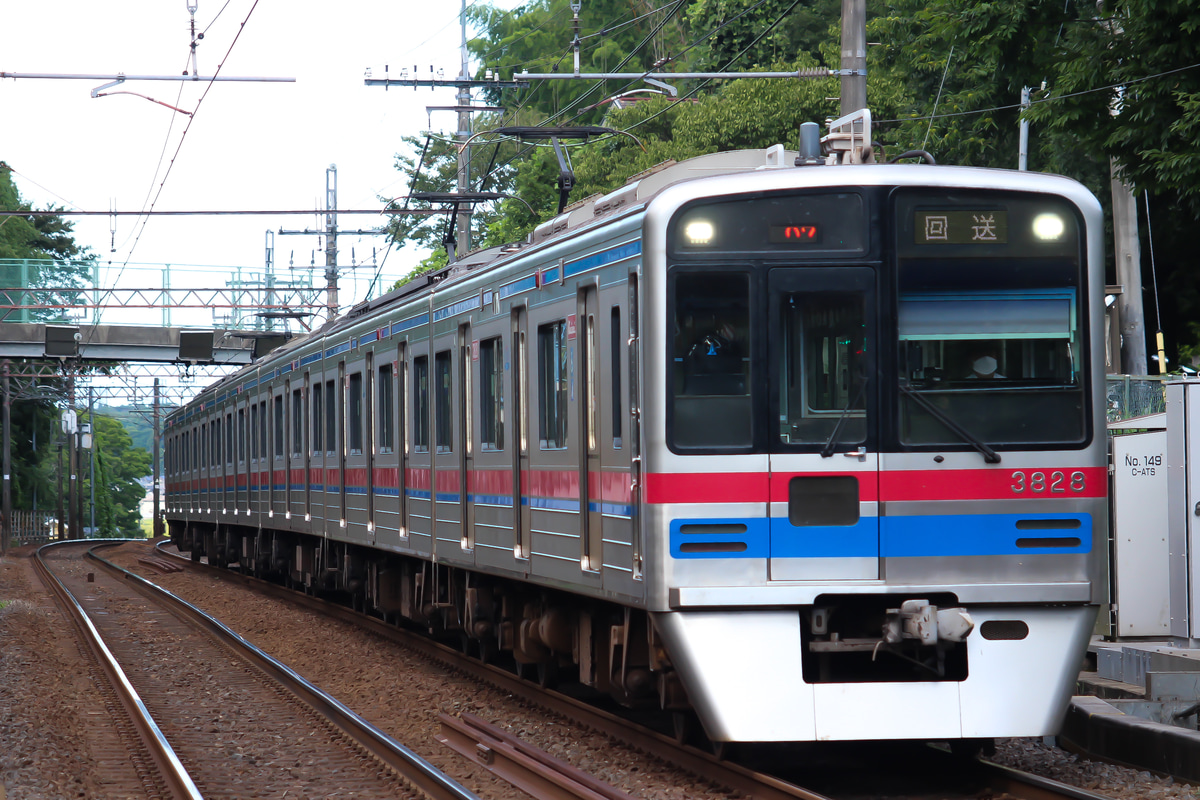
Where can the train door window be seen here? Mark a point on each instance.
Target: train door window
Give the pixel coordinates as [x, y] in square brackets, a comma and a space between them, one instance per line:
[356, 413]
[297, 422]
[331, 417]
[420, 421]
[593, 387]
[254, 427]
[615, 349]
[822, 367]
[710, 376]
[444, 424]
[521, 386]
[229, 452]
[262, 430]
[318, 418]
[244, 436]
[552, 385]
[491, 394]
[279, 425]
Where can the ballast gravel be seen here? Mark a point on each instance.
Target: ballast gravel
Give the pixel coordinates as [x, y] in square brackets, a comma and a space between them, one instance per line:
[42, 696]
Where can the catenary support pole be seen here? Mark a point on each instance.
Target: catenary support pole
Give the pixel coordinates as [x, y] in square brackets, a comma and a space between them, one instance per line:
[854, 56]
[6, 504]
[156, 526]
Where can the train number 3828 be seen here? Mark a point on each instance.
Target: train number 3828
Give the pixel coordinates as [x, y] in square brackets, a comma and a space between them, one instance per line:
[1056, 482]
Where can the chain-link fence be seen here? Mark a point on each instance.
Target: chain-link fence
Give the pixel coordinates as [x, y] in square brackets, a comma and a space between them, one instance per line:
[1135, 396]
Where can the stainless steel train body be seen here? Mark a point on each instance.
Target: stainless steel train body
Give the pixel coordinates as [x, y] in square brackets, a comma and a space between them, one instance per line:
[724, 440]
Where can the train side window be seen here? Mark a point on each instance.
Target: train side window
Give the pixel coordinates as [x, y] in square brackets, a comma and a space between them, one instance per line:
[421, 404]
[386, 411]
[331, 420]
[229, 454]
[356, 414]
[711, 377]
[297, 422]
[443, 378]
[278, 411]
[318, 419]
[552, 385]
[491, 389]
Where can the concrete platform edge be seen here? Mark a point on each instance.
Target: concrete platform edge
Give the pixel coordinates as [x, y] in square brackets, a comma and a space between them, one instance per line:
[1097, 728]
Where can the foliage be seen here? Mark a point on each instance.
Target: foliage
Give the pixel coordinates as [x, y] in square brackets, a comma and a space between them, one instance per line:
[756, 33]
[119, 466]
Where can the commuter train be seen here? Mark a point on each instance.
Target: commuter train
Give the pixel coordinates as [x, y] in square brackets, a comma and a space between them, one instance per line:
[805, 447]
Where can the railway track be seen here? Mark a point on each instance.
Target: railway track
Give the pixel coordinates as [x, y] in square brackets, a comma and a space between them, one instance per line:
[955, 778]
[205, 714]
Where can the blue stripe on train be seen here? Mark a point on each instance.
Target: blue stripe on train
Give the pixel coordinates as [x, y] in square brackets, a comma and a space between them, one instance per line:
[886, 537]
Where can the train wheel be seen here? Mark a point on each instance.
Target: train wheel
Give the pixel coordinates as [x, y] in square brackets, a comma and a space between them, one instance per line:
[547, 674]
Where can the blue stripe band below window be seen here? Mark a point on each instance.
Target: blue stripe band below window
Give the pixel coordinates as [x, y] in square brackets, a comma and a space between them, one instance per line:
[954, 535]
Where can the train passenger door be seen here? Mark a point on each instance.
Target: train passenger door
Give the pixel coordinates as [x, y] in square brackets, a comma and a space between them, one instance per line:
[468, 354]
[520, 446]
[824, 463]
[590, 474]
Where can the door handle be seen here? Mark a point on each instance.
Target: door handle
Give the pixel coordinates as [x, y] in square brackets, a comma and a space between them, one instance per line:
[860, 454]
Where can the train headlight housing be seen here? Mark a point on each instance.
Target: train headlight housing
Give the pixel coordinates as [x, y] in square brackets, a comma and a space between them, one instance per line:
[699, 231]
[1048, 227]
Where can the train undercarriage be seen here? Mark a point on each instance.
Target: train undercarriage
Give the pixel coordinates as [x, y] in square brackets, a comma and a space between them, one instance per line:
[547, 635]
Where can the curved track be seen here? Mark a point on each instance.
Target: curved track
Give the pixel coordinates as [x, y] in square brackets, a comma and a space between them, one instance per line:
[229, 719]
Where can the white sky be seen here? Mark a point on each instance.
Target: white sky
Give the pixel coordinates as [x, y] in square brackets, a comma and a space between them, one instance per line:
[250, 145]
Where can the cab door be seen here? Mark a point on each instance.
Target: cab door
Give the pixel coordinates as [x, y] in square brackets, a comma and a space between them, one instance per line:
[824, 463]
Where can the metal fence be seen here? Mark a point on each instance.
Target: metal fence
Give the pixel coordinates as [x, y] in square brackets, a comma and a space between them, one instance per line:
[1136, 396]
[29, 527]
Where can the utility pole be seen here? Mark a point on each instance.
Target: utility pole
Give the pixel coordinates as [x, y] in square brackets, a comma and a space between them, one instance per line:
[463, 134]
[92, 457]
[6, 500]
[1128, 256]
[156, 527]
[331, 234]
[854, 56]
[331, 276]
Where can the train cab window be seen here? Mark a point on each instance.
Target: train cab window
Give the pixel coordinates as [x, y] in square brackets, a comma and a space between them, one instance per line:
[710, 376]
[421, 404]
[386, 409]
[552, 385]
[990, 324]
[491, 394]
[442, 388]
[356, 413]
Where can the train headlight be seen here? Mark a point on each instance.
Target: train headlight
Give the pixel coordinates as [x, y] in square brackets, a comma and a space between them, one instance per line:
[1048, 227]
[699, 232]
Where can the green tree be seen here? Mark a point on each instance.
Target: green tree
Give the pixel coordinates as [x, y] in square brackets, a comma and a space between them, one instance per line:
[119, 468]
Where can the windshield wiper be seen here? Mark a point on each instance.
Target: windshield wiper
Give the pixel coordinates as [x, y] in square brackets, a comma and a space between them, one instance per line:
[832, 443]
[989, 455]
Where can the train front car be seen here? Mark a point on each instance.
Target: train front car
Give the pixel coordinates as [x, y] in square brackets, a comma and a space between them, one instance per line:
[875, 471]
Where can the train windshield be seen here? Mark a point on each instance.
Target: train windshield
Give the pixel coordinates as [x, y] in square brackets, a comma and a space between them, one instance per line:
[991, 346]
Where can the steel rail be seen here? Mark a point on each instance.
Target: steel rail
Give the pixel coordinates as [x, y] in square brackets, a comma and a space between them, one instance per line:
[530, 769]
[415, 769]
[697, 762]
[170, 769]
